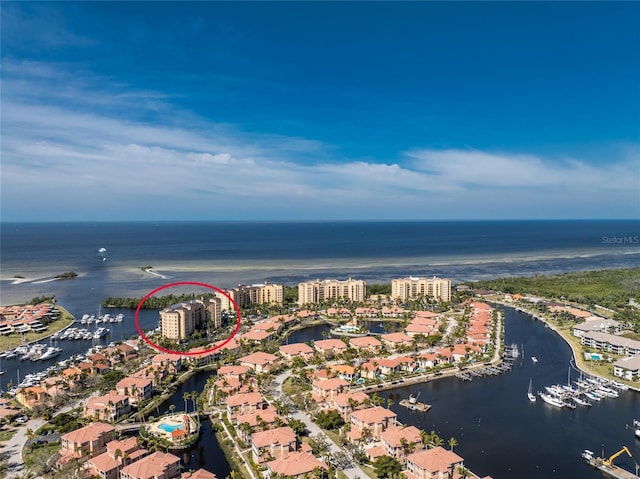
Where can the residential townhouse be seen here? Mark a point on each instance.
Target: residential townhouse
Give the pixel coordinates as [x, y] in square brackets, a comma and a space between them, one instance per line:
[296, 465]
[374, 419]
[368, 343]
[242, 403]
[328, 389]
[88, 441]
[436, 463]
[296, 350]
[108, 407]
[330, 347]
[398, 441]
[259, 361]
[273, 444]
[118, 455]
[396, 340]
[136, 388]
[158, 465]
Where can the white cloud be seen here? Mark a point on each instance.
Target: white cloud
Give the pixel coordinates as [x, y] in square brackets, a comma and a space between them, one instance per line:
[72, 158]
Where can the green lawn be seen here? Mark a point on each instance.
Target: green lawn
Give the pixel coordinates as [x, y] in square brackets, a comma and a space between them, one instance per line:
[6, 434]
[7, 342]
[36, 459]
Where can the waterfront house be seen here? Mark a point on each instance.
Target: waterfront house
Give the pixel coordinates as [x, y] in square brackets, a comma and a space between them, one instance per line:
[158, 465]
[269, 325]
[31, 397]
[610, 343]
[344, 371]
[444, 355]
[296, 350]
[296, 465]
[601, 325]
[117, 455]
[370, 370]
[367, 312]
[339, 312]
[88, 441]
[427, 360]
[259, 361]
[398, 441]
[273, 444]
[628, 368]
[126, 352]
[244, 402]
[330, 347]
[172, 363]
[258, 336]
[375, 420]
[393, 312]
[396, 340]
[109, 407]
[156, 374]
[328, 389]
[388, 366]
[366, 343]
[436, 463]
[135, 388]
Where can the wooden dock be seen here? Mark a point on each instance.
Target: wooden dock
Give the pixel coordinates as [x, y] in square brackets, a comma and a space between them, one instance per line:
[415, 406]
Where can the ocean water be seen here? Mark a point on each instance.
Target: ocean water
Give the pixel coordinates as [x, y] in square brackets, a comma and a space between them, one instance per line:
[228, 253]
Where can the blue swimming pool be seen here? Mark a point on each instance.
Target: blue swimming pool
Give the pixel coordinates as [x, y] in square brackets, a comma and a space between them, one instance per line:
[169, 427]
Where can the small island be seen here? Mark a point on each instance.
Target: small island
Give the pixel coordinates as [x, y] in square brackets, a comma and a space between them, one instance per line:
[67, 275]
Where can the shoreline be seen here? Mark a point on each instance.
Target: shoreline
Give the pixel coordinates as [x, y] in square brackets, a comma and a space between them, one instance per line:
[153, 273]
[578, 361]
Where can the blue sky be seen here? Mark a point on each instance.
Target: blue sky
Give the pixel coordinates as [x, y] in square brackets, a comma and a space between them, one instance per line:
[347, 110]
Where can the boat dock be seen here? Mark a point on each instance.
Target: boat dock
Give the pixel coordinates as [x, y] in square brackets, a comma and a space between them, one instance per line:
[606, 465]
[415, 406]
[485, 371]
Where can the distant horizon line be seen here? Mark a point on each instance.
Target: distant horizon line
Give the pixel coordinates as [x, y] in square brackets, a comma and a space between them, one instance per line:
[309, 221]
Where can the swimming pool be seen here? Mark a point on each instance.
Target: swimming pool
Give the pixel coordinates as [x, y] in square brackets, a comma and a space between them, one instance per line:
[596, 357]
[169, 427]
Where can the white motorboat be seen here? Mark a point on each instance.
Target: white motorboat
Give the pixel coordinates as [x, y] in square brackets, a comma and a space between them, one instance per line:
[549, 399]
[581, 402]
[534, 359]
[51, 352]
[530, 395]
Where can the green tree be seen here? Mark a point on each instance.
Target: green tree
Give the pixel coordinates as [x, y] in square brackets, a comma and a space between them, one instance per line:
[386, 466]
[329, 420]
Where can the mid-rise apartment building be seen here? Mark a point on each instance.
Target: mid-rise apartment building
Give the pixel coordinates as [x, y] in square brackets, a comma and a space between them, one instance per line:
[317, 291]
[181, 320]
[415, 287]
[263, 293]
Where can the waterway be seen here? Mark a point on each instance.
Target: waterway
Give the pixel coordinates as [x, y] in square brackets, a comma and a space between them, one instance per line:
[502, 434]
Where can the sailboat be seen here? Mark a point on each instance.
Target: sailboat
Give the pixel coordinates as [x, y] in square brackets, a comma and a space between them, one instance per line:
[530, 395]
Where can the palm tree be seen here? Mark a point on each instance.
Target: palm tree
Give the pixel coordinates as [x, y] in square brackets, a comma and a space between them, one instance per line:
[172, 408]
[185, 396]
[452, 443]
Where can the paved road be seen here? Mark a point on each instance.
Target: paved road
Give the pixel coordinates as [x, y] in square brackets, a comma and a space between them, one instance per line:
[354, 472]
[15, 445]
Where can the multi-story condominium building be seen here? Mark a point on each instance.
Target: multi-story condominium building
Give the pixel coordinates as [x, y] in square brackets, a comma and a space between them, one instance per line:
[264, 293]
[414, 287]
[181, 320]
[317, 291]
[88, 441]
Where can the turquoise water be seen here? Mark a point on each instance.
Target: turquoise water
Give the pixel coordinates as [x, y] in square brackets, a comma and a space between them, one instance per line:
[169, 427]
[596, 357]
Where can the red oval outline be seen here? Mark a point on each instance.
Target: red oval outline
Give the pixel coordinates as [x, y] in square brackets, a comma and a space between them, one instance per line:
[185, 353]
